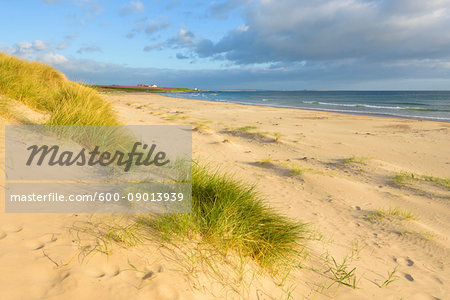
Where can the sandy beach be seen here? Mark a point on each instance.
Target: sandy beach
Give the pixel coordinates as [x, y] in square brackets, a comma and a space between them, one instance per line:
[372, 189]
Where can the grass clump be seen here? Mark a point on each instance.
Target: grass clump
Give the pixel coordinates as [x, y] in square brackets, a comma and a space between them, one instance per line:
[296, 170]
[127, 235]
[230, 215]
[42, 87]
[277, 136]
[400, 179]
[444, 182]
[265, 161]
[199, 126]
[355, 160]
[393, 212]
[404, 178]
[249, 132]
[342, 274]
[247, 128]
[391, 278]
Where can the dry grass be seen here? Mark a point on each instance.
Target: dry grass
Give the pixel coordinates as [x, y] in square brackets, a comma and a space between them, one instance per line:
[227, 214]
[391, 212]
[42, 87]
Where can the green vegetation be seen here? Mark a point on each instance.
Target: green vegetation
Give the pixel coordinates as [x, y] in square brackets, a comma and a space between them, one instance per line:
[126, 235]
[401, 178]
[43, 88]
[198, 125]
[230, 215]
[277, 136]
[227, 214]
[110, 89]
[391, 278]
[249, 132]
[247, 128]
[341, 273]
[265, 161]
[394, 212]
[296, 170]
[355, 160]
[404, 179]
[444, 182]
[5, 109]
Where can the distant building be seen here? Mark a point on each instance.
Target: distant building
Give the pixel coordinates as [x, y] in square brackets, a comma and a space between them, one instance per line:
[154, 85]
[142, 85]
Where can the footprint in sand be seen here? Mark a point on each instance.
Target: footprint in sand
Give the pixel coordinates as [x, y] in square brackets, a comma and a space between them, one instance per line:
[404, 261]
[2, 235]
[48, 238]
[103, 271]
[95, 273]
[148, 275]
[150, 272]
[111, 270]
[409, 277]
[34, 245]
[11, 228]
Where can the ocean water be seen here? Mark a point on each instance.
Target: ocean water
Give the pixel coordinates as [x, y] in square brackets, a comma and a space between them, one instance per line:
[423, 105]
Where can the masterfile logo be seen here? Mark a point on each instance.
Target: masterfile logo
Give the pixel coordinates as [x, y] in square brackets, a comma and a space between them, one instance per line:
[98, 168]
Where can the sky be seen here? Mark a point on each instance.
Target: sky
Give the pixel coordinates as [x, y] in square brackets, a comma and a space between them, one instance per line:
[237, 44]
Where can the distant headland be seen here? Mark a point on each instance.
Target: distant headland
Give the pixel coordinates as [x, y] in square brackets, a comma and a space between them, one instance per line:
[142, 88]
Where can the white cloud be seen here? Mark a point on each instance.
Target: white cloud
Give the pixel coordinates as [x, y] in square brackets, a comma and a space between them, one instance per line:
[296, 30]
[132, 8]
[53, 58]
[39, 45]
[185, 38]
[23, 48]
[148, 26]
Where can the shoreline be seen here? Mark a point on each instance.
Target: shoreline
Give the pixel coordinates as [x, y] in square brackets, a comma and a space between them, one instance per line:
[342, 174]
[344, 129]
[380, 115]
[369, 185]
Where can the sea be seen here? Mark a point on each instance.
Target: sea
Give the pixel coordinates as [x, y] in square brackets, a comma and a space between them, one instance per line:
[422, 105]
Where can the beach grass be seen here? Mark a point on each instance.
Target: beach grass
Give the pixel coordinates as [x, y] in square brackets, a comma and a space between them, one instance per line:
[355, 160]
[390, 278]
[265, 161]
[43, 88]
[226, 213]
[230, 215]
[277, 136]
[296, 170]
[407, 178]
[247, 128]
[393, 212]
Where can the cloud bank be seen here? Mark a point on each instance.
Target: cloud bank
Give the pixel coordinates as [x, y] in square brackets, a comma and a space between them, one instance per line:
[303, 30]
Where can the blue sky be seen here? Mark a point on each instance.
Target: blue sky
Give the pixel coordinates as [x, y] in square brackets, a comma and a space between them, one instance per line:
[237, 44]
